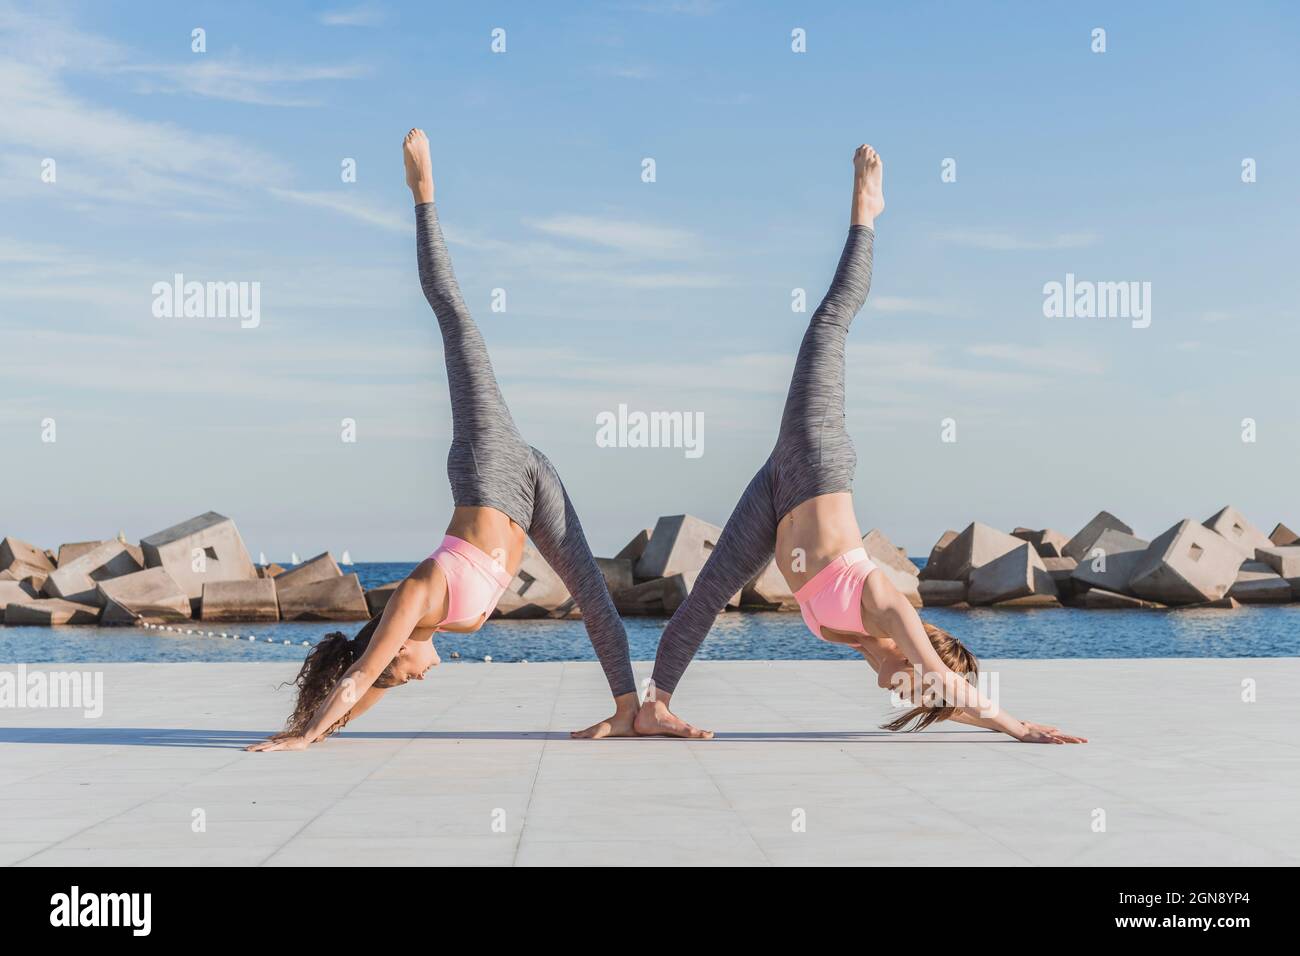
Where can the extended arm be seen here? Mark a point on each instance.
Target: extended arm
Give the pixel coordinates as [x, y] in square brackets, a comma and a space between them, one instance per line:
[421, 595]
[368, 700]
[885, 611]
[424, 591]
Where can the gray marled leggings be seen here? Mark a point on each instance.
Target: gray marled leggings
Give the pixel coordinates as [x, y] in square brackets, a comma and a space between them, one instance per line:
[491, 466]
[813, 456]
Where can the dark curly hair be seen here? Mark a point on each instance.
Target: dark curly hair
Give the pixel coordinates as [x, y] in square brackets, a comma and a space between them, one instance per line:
[324, 667]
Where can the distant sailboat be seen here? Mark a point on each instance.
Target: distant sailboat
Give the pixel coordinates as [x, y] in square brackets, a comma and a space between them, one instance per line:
[347, 558]
[293, 558]
[261, 558]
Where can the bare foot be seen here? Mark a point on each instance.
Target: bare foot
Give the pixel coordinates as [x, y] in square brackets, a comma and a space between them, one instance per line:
[620, 725]
[419, 168]
[868, 186]
[654, 719]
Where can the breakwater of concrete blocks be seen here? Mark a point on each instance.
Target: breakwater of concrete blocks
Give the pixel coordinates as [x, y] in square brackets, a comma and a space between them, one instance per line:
[200, 570]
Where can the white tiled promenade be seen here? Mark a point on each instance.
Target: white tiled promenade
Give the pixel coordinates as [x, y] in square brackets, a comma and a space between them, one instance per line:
[1184, 771]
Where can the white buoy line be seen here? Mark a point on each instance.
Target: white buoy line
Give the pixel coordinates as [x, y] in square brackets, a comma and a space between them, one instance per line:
[191, 632]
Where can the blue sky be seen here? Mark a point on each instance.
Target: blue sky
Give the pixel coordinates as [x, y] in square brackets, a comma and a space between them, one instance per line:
[671, 295]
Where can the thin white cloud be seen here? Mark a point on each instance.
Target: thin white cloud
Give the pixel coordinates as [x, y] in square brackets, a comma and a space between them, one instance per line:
[54, 44]
[104, 155]
[647, 280]
[238, 82]
[585, 250]
[109, 155]
[14, 251]
[1071, 359]
[897, 303]
[348, 205]
[921, 368]
[633, 238]
[686, 8]
[628, 71]
[1007, 242]
[366, 15]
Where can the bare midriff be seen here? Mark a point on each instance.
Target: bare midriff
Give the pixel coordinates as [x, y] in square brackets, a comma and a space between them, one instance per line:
[492, 532]
[821, 529]
[813, 535]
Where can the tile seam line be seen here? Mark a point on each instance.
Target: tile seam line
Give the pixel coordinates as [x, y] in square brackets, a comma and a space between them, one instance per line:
[541, 756]
[293, 836]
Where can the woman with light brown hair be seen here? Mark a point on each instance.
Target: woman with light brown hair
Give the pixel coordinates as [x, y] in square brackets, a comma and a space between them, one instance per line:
[799, 507]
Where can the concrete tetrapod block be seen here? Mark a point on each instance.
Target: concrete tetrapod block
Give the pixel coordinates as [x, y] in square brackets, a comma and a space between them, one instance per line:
[936, 593]
[885, 553]
[1223, 603]
[535, 591]
[14, 551]
[1281, 560]
[1257, 583]
[377, 598]
[71, 551]
[945, 539]
[1110, 561]
[1285, 562]
[975, 547]
[617, 572]
[1283, 537]
[1061, 571]
[15, 592]
[1047, 542]
[47, 612]
[1188, 564]
[271, 571]
[678, 543]
[768, 590]
[150, 595]
[906, 584]
[636, 547]
[677, 589]
[1016, 574]
[78, 581]
[1081, 544]
[1237, 530]
[243, 601]
[1030, 601]
[658, 596]
[332, 599]
[198, 551]
[34, 578]
[644, 598]
[320, 568]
